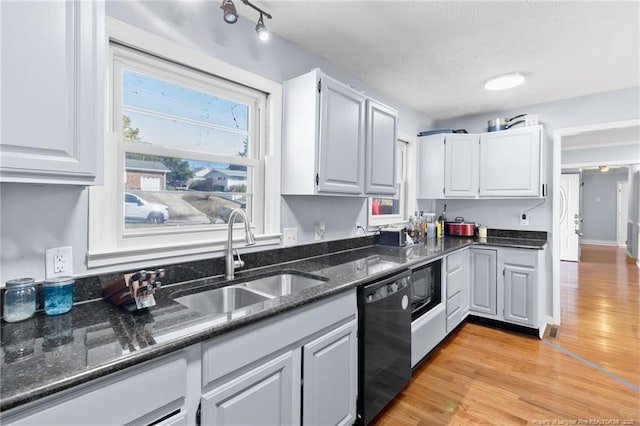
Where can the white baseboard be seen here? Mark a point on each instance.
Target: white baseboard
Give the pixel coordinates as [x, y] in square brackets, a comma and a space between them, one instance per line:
[600, 242]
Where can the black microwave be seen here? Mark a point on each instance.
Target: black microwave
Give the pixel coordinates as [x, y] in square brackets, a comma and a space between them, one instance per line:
[426, 291]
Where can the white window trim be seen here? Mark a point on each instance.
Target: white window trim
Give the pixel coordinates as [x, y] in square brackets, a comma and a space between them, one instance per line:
[107, 243]
[405, 188]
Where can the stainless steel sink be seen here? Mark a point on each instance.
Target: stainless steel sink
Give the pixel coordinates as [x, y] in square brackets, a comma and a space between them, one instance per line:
[242, 294]
[282, 284]
[221, 300]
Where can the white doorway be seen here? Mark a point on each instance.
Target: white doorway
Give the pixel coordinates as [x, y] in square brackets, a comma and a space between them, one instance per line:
[570, 218]
[623, 212]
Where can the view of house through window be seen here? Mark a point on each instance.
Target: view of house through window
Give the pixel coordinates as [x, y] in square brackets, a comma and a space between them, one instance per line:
[159, 117]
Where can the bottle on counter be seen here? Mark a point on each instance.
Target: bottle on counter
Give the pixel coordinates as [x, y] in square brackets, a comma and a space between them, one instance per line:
[19, 301]
[410, 227]
[423, 225]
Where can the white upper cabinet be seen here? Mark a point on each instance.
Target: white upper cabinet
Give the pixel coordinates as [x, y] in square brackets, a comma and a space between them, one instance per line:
[504, 164]
[461, 165]
[511, 163]
[341, 138]
[430, 166]
[331, 134]
[52, 93]
[380, 147]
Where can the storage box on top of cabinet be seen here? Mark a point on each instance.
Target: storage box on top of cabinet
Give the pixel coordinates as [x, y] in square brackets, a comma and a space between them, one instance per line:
[336, 140]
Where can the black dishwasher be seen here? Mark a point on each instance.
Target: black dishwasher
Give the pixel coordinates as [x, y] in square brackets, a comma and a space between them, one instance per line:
[384, 346]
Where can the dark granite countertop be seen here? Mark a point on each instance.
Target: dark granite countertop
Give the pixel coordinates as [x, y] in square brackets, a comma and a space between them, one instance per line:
[44, 355]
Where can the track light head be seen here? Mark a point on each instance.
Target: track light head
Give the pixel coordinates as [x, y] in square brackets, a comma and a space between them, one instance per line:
[229, 12]
[261, 30]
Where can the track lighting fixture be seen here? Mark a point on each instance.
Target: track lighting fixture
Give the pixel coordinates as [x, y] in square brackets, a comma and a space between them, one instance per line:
[231, 17]
[261, 30]
[229, 12]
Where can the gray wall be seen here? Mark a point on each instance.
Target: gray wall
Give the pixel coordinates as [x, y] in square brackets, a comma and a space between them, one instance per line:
[38, 217]
[599, 205]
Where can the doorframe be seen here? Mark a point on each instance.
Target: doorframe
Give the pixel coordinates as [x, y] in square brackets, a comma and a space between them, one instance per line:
[555, 228]
[620, 185]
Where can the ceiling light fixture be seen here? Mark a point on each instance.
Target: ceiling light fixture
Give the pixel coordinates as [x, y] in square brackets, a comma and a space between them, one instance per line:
[261, 30]
[229, 12]
[505, 81]
[603, 168]
[231, 17]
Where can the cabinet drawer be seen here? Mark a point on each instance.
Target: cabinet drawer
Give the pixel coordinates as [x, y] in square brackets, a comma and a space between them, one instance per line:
[454, 319]
[454, 302]
[426, 332]
[456, 281]
[455, 261]
[138, 395]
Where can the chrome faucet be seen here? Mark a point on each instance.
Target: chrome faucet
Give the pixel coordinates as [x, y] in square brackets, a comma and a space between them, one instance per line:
[249, 239]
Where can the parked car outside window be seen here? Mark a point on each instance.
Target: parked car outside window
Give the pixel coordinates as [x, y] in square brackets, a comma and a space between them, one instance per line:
[138, 210]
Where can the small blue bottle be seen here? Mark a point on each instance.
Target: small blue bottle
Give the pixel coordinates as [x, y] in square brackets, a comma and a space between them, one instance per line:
[58, 295]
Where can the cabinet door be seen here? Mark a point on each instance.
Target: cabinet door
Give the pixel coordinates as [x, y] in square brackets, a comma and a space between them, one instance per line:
[461, 166]
[520, 294]
[330, 378]
[51, 91]
[341, 139]
[484, 281]
[430, 167]
[380, 158]
[510, 163]
[266, 395]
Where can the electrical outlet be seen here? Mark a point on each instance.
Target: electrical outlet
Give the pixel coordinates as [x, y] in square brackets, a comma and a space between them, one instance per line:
[524, 219]
[357, 227]
[290, 236]
[319, 234]
[58, 262]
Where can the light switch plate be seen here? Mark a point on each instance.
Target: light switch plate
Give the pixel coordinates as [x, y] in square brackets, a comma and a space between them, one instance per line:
[290, 237]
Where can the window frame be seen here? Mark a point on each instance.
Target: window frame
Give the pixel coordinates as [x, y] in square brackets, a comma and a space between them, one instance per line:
[404, 146]
[109, 242]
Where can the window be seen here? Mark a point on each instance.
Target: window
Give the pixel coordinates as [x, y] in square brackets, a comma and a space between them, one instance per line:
[185, 146]
[386, 211]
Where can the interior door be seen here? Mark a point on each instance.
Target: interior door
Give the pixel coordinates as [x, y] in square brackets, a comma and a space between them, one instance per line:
[570, 218]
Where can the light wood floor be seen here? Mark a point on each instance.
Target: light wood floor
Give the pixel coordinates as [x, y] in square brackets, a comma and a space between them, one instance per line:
[481, 375]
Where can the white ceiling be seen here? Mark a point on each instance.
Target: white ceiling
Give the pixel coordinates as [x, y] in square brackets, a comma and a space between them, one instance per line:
[435, 56]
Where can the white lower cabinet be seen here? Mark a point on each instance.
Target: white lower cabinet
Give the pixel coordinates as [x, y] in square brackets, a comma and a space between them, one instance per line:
[520, 286]
[484, 281]
[139, 395]
[506, 285]
[267, 394]
[299, 367]
[330, 377]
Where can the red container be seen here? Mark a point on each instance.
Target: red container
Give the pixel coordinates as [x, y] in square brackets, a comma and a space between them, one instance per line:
[460, 228]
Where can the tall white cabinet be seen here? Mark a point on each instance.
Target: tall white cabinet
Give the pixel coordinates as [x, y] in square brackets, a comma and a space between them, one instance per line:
[52, 92]
[336, 140]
